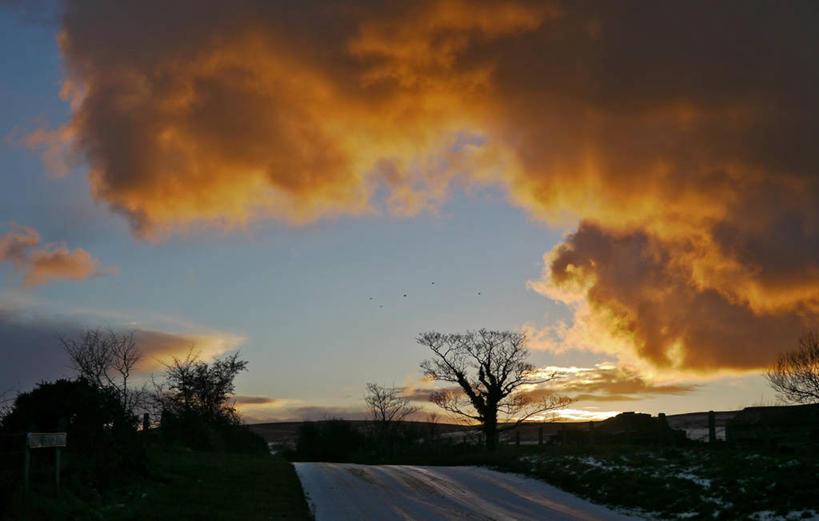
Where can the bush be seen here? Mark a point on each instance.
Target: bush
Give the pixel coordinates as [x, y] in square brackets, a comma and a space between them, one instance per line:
[331, 440]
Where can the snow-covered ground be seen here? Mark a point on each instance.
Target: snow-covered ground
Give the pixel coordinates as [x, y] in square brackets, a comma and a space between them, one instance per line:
[344, 491]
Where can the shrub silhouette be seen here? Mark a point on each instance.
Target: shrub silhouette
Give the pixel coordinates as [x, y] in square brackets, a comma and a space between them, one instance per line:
[102, 435]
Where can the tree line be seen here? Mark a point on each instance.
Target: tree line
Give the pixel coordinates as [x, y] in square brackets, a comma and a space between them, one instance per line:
[110, 419]
[491, 384]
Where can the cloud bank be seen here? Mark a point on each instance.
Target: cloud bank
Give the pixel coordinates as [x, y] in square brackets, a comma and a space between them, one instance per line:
[680, 136]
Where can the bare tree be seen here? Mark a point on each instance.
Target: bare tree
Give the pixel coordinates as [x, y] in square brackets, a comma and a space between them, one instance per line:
[795, 375]
[491, 371]
[388, 408]
[107, 359]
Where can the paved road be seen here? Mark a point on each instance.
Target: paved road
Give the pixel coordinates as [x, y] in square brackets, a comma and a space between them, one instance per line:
[343, 491]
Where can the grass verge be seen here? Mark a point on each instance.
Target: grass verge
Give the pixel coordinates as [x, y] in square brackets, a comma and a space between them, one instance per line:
[182, 485]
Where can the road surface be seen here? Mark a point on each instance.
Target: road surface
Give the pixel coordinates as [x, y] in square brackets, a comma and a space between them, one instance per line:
[345, 491]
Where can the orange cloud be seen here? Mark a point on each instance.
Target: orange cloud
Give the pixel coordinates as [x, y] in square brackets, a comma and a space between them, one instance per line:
[53, 261]
[641, 292]
[243, 114]
[158, 348]
[685, 150]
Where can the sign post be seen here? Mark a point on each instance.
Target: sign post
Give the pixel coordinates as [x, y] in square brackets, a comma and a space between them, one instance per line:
[43, 440]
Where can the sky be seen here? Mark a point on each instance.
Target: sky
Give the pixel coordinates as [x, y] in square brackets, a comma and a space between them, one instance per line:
[632, 185]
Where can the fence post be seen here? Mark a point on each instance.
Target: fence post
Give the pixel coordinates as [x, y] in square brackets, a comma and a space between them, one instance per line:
[712, 427]
[26, 464]
[61, 426]
[57, 467]
[662, 427]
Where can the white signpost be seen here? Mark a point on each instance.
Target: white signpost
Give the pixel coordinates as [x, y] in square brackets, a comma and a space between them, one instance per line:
[44, 440]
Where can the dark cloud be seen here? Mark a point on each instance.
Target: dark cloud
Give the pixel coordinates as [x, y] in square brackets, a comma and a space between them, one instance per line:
[245, 399]
[31, 351]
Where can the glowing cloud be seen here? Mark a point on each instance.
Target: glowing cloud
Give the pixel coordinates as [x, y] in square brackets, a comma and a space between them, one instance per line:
[159, 347]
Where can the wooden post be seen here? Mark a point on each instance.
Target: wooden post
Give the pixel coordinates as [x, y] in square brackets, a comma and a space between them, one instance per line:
[26, 465]
[62, 425]
[57, 468]
[712, 427]
[662, 424]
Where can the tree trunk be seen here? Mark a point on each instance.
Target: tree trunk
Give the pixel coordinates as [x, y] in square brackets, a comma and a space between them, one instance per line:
[490, 430]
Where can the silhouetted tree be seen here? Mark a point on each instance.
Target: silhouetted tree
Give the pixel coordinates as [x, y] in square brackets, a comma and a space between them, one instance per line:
[6, 402]
[489, 368]
[193, 386]
[388, 408]
[795, 375]
[106, 359]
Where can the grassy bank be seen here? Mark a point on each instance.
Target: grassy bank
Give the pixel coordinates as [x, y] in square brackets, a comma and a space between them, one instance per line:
[691, 483]
[182, 485]
[694, 483]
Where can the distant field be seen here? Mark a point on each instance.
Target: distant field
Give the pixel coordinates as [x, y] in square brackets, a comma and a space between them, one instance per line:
[286, 433]
[694, 424]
